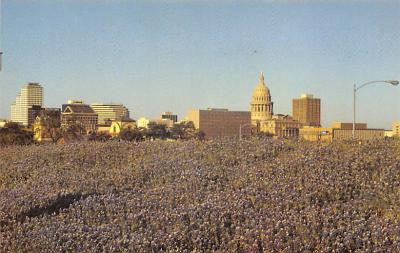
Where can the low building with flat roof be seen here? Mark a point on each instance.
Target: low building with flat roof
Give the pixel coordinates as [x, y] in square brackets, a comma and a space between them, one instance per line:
[281, 126]
[3, 122]
[144, 122]
[218, 123]
[341, 131]
[341, 125]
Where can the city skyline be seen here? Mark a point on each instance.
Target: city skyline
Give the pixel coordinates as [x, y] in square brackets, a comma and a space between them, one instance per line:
[153, 57]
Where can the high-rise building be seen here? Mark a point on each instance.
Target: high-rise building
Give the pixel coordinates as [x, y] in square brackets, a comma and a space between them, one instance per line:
[307, 110]
[26, 103]
[109, 112]
[220, 122]
[170, 116]
[262, 108]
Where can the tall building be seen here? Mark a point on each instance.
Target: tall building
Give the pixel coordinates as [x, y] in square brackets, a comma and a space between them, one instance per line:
[108, 112]
[80, 115]
[170, 116]
[262, 108]
[307, 110]
[220, 122]
[26, 104]
[396, 129]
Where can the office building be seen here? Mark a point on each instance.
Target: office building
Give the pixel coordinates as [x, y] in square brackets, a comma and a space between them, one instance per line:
[26, 104]
[110, 111]
[217, 123]
[307, 110]
[170, 116]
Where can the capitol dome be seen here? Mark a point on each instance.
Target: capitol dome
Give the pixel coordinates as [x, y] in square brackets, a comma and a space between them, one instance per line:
[261, 104]
[261, 92]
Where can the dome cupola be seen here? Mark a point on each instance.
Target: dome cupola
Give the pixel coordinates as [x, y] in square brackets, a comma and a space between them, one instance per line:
[261, 104]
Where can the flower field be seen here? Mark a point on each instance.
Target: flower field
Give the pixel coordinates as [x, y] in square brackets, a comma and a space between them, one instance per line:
[257, 195]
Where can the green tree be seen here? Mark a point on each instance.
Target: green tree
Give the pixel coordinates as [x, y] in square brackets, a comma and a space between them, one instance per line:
[157, 131]
[14, 134]
[130, 135]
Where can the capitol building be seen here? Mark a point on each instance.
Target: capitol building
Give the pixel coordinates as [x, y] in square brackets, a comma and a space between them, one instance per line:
[264, 120]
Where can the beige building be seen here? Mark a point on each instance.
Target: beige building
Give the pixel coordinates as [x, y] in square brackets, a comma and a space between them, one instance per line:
[144, 122]
[216, 123]
[76, 113]
[118, 125]
[341, 125]
[281, 126]
[396, 129]
[110, 111]
[388, 133]
[307, 110]
[324, 134]
[341, 131]
[261, 107]
[3, 122]
[360, 134]
[24, 108]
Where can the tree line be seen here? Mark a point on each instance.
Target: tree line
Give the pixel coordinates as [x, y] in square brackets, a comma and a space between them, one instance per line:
[14, 134]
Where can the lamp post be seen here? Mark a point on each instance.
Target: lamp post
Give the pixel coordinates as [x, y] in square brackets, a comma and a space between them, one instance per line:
[240, 129]
[355, 89]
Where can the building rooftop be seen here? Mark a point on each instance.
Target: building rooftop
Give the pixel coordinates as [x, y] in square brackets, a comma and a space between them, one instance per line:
[78, 108]
[305, 95]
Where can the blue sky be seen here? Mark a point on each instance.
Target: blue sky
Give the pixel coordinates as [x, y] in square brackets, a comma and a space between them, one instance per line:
[155, 56]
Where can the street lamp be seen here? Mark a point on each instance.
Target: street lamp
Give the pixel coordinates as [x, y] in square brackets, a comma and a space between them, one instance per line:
[240, 129]
[355, 89]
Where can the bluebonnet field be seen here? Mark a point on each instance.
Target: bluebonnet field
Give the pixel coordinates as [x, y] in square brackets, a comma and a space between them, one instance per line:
[258, 195]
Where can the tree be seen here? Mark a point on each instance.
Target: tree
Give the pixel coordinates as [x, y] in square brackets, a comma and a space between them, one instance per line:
[157, 131]
[13, 134]
[184, 131]
[130, 135]
[99, 136]
[73, 132]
